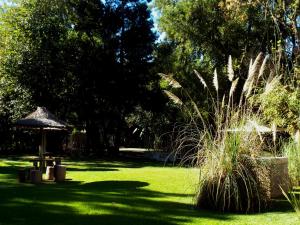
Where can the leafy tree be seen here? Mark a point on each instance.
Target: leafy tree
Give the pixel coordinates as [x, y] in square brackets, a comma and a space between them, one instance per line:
[86, 60]
[206, 32]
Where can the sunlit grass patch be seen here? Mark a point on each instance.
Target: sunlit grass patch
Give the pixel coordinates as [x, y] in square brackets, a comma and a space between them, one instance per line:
[125, 193]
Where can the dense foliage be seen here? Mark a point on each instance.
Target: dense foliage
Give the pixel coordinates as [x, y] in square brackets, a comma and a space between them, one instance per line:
[204, 33]
[87, 61]
[95, 63]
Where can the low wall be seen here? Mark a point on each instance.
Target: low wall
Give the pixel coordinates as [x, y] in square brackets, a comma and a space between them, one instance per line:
[279, 175]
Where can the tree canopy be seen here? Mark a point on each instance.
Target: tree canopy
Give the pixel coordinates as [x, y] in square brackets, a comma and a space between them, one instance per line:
[95, 63]
[87, 61]
[201, 35]
[206, 32]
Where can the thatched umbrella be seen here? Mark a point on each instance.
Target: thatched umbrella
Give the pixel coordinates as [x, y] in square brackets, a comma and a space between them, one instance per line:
[44, 120]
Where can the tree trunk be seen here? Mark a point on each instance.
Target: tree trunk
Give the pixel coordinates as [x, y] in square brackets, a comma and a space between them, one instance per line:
[93, 139]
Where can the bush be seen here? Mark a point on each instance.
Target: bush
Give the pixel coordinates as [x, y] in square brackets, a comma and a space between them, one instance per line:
[280, 105]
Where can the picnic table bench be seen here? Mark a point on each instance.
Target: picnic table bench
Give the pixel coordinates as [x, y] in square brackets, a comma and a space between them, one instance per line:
[42, 162]
[35, 173]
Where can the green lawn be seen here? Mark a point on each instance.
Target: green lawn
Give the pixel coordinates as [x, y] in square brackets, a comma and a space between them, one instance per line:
[116, 193]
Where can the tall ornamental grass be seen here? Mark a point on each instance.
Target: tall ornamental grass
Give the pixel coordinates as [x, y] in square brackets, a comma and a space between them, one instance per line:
[292, 151]
[226, 147]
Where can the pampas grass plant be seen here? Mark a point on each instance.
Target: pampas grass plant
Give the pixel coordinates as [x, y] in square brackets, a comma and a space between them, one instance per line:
[292, 151]
[231, 176]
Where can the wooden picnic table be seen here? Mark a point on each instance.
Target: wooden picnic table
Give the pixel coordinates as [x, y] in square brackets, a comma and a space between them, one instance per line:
[41, 163]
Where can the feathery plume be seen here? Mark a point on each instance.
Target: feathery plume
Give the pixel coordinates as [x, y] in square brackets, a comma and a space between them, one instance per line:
[257, 129]
[200, 78]
[223, 102]
[271, 84]
[274, 131]
[249, 89]
[253, 70]
[170, 79]
[257, 62]
[247, 82]
[142, 132]
[233, 87]
[215, 80]
[271, 77]
[230, 69]
[250, 65]
[135, 130]
[263, 65]
[173, 97]
[196, 108]
[255, 67]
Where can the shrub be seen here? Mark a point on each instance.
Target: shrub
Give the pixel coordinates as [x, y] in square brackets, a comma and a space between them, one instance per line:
[280, 105]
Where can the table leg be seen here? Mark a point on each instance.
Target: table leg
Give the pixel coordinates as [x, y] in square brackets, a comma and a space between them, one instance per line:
[35, 164]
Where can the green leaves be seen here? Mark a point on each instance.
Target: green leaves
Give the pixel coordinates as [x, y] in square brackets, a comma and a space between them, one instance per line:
[76, 57]
[280, 104]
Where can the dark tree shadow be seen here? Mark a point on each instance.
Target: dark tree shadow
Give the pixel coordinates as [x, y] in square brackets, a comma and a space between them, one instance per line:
[111, 202]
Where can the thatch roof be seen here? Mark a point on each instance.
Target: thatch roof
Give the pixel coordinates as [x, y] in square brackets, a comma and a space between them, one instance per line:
[41, 118]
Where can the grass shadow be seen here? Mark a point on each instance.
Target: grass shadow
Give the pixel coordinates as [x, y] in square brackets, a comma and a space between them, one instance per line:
[109, 202]
[112, 202]
[280, 205]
